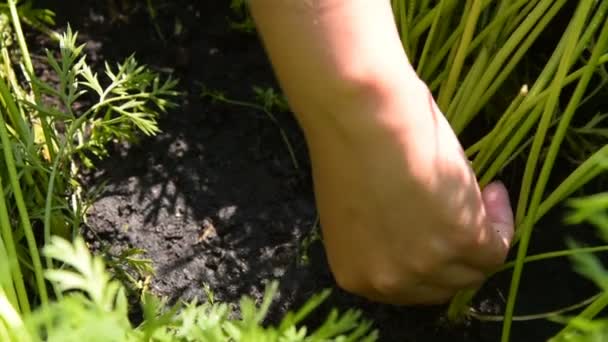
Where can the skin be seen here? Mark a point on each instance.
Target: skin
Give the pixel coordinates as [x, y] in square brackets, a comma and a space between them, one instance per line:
[404, 220]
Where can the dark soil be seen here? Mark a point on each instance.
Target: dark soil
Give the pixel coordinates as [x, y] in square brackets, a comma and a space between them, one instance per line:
[214, 200]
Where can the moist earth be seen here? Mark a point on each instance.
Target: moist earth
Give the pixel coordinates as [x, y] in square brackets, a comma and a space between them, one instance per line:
[215, 199]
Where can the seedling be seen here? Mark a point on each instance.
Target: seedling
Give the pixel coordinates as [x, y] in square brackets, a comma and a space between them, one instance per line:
[267, 102]
[93, 307]
[44, 144]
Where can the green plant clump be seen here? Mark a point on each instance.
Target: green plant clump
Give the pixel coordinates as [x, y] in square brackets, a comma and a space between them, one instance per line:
[93, 307]
[48, 132]
[583, 327]
[471, 53]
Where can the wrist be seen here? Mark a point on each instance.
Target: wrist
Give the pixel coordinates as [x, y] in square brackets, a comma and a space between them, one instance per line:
[384, 103]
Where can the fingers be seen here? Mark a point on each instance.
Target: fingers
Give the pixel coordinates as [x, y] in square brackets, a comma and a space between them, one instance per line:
[414, 294]
[495, 240]
[436, 290]
[496, 232]
[457, 276]
[499, 213]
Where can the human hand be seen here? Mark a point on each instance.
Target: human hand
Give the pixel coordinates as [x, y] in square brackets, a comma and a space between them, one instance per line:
[403, 218]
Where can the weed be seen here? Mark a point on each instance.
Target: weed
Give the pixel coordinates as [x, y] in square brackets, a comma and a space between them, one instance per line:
[93, 307]
[313, 236]
[46, 137]
[243, 21]
[583, 327]
[269, 101]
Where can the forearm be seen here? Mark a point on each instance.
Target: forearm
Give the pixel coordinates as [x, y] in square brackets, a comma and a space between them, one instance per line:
[332, 56]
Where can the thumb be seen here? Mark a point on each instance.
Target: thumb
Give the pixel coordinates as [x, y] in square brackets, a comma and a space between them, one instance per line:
[498, 210]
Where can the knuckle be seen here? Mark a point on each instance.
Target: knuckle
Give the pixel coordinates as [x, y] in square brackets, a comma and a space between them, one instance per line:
[373, 287]
[466, 233]
[470, 239]
[347, 282]
[386, 286]
[421, 267]
[427, 264]
[465, 241]
[493, 264]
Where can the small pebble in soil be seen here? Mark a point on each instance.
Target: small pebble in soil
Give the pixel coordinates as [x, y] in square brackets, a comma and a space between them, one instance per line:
[227, 213]
[208, 231]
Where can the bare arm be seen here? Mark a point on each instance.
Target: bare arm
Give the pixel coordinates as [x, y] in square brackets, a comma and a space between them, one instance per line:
[328, 53]
[403, 218]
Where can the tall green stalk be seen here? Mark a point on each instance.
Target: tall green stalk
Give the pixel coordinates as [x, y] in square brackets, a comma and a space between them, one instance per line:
[491, 79]
[590, 311]
[29, 67]
[479, 45]
[448, 89]
[48, 208]
[14, 286]
[21, 207]
[573, 32]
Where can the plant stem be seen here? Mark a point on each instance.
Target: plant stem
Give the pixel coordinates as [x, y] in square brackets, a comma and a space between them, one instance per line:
[431, 37]
[544, 315]
[22, 209]
[464, 90]
[23, 132]
[12, 260]
[399, 9]
[590, 311]
[497, 71]
[29, 67]
[272, 118]
[499, 135]
[535, 96]
[48, 209]
[564, 123]
[555, 254]
[448, 88]
[572, 33]
[439, 58]
[521, 15]
[588, 170]
[423, 23]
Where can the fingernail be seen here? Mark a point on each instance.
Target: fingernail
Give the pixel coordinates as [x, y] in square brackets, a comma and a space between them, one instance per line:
[498, 207]
[498, 210]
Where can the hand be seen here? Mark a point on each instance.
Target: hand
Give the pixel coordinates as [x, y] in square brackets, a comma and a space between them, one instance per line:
[403, 218]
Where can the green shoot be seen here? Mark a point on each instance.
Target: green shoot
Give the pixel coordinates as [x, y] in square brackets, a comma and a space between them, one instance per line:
[94, 308]
[269, 101]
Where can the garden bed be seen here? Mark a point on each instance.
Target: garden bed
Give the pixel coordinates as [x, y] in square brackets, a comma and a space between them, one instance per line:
[215, 200]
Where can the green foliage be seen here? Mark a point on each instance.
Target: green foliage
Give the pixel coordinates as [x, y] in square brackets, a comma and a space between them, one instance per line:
[51, 130]
[131, 269]
[93, 307]
[584, 140]
[243, 22]
[267, 101]
[38, 18]
[132, 99]
[583, 328]
[470, 54]
[48, 131]
[307, 241]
